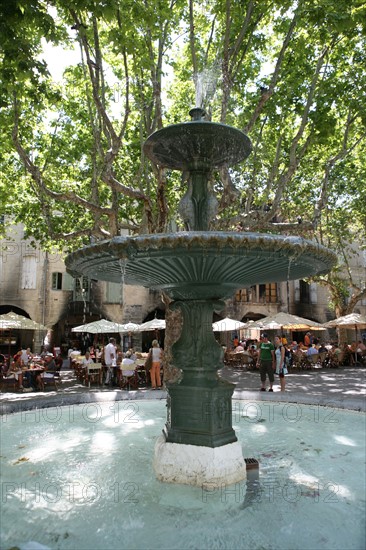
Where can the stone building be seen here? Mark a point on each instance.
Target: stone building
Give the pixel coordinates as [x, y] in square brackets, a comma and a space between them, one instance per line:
[35, 284]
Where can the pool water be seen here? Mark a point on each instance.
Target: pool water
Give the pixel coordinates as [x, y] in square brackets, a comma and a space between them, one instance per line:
[80, 477]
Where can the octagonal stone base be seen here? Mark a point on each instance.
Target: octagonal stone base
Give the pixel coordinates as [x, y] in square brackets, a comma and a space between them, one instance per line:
[205, 467]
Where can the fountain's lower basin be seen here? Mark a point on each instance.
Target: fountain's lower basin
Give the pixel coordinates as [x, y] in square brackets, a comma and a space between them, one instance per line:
[201, 265]
[81, 477]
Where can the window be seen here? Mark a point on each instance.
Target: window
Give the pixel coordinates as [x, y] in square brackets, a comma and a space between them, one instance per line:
[271, 293]
[81, 293]
[56, 281]
[258, 294]
[304, 292]
[242, 295]
[68, 282]
[29, 272]
[313, 293]
[114, 293]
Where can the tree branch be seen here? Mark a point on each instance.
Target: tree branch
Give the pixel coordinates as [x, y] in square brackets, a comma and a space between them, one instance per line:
[268, 94]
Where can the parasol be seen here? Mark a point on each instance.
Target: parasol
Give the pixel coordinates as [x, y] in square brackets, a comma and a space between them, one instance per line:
[12, 321]
[353, 320]
[228, 325]
[130, 327]
[99, 327]
[154, 324]
[286, 321]
[9, 321]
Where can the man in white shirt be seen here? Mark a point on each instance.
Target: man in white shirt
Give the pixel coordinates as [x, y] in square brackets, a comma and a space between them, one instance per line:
[110, 358]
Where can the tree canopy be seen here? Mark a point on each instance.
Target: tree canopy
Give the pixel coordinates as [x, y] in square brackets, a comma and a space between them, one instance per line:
[288, 73]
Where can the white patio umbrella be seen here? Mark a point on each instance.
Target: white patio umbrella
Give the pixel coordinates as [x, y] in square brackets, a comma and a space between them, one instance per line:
[102, 326]
[154, 324]
[286, 321]
[130, 327]
[353, 320]
[228, 325]
[9, 321]
[12, 321]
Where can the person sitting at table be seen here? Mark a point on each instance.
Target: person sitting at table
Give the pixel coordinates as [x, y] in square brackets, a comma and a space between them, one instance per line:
[50, 369]
[133, 354]
[73, 354]
[59, 361]
[26, 356]
[87, 360]
[44, 352]
[312, 351]
[294, 345]
[254, 353]
[348, 354]
[360, 351]
[126, 361]
[322, 348]
[239, 348]
[15, 370]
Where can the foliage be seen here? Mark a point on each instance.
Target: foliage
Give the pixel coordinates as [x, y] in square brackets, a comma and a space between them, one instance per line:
[290, 74]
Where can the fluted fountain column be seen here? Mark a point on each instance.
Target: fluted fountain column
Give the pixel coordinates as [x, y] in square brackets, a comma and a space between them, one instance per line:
[199, 406]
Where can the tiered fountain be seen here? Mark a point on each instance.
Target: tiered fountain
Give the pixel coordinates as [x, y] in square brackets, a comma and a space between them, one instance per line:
[198, 268]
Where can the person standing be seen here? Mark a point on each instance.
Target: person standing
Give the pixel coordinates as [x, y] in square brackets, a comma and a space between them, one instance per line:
[281, 368]
[307, 339]
[266, 362]
[110, 358]
[157, 355]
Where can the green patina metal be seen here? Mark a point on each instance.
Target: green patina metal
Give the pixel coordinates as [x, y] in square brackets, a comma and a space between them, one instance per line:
[197, 268]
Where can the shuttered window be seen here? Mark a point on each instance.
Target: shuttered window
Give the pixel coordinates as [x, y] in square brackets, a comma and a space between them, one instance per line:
[29, 272]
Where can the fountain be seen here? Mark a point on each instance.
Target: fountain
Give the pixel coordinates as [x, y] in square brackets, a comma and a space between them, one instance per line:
[197, 268]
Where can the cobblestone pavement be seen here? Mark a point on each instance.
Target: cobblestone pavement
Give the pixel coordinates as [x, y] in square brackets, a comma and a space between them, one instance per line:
[342, 388]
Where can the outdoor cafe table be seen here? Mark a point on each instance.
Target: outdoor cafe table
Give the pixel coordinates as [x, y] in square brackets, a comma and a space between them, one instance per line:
[33, 370]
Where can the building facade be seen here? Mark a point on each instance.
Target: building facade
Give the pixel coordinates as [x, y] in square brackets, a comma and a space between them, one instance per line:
[35, 284]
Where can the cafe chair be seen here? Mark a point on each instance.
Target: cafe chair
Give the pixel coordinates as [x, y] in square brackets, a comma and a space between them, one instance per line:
[8, 382]
[129, 379]
[93, 374]
[50, 379]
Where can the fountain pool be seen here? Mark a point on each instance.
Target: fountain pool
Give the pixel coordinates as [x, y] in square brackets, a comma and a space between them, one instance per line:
[80, 477]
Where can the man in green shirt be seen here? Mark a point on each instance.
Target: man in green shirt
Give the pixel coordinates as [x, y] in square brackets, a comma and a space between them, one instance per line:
[267, 361]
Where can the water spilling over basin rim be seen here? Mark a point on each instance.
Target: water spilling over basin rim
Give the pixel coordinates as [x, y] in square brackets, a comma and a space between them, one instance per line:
[201, 265]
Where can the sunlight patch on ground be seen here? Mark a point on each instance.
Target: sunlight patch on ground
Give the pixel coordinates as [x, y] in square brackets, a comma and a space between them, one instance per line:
[345, 440]
[303, 478]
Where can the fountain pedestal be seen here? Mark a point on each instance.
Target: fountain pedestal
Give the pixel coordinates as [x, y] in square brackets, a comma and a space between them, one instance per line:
[199, 414]
[204, 467]
[199, 445]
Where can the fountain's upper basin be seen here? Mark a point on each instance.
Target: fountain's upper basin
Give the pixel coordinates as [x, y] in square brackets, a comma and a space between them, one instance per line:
[197, 145]
[201, 265]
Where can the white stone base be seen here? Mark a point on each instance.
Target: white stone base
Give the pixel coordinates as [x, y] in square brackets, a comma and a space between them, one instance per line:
[205, 467]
